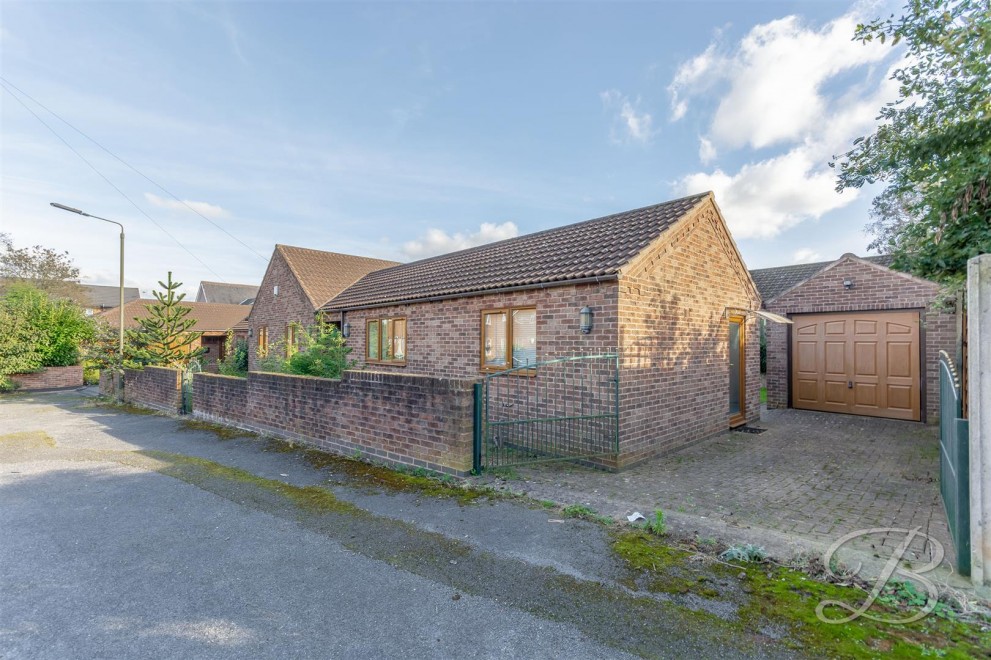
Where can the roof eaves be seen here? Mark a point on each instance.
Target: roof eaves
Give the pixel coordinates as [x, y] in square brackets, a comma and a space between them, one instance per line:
[469, 293]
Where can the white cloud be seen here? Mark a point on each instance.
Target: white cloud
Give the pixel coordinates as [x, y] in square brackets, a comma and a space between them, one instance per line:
[437, 241]
[634, 125]
[707, 150]
[692, 75]
[806, 256]
[768, 196]
[203, 208]
[778, 87]
[775, 78]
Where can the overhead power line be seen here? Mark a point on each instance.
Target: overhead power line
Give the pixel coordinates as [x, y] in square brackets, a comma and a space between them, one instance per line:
[4, 84]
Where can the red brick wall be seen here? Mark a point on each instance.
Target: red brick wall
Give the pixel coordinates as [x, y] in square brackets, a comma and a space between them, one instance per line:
[395, 418]
[874, 288]
[443, 337]
[154, 387]
[674, 339]
[277, 311]
[50, 378]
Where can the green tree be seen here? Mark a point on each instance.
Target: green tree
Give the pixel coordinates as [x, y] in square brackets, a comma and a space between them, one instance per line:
[166, 337]
[932, 147]
[48, 270]
[37, 331]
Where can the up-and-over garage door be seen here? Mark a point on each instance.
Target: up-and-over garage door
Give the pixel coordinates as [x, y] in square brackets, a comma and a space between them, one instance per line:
[859, 363]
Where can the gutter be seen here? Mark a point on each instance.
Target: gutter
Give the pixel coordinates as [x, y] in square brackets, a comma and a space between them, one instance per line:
[595, 279]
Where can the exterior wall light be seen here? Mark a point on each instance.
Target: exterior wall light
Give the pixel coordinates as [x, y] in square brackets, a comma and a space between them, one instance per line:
[346, 329]
[251, 333]
[847, 284]
[586, 320]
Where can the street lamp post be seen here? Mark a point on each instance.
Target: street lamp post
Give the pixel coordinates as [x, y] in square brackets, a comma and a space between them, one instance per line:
[120, 307]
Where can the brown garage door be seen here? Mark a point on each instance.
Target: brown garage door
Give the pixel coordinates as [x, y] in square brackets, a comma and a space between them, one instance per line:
[859, 363]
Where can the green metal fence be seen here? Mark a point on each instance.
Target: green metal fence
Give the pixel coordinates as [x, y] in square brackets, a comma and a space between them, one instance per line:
[563, 409]
[954, 461]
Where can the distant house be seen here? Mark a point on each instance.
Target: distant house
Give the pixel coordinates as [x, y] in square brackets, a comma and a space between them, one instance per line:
[213, 320]
[226, 294]
[864, 340]
[98, 298]
[297, 283]
[664, 286]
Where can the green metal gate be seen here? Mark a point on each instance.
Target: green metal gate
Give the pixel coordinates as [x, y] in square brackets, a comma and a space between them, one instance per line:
[564, 409]
[954, 461]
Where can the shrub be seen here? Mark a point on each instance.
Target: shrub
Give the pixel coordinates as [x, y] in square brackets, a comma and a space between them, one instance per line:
[235, 362]
[37, 331]
[320, 351]
[325, 356]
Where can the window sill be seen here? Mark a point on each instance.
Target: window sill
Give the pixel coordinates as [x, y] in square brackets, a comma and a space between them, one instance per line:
[388, 363]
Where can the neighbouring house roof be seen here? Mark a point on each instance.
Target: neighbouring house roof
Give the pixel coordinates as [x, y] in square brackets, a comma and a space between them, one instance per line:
[210, 317]
[581, 251]
[323, 275]
[772, 282]
[97, 296]
[228, 294]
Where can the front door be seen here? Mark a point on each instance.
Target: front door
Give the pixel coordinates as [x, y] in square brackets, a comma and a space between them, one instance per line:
[737, 372]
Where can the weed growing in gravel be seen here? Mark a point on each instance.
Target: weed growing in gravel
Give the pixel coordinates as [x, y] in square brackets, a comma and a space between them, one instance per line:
[749, 553]
[586, 513]
[657, 526]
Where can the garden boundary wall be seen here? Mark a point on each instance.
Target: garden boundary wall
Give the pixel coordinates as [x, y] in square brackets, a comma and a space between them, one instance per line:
[153, 387]
[50, 378]
[400, 419]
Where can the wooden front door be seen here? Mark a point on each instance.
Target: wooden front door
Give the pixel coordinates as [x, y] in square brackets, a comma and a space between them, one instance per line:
[859, 363]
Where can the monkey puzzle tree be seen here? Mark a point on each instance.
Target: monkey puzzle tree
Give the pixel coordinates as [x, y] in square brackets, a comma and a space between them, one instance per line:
[165, 337]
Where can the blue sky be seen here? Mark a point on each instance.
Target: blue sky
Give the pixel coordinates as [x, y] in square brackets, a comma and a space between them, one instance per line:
[404, 130]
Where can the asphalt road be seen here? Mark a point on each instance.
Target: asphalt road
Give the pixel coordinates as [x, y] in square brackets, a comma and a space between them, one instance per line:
[124, 536]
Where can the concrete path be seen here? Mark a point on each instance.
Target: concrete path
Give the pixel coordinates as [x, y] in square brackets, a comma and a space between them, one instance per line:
[806, 481]
[126, 535]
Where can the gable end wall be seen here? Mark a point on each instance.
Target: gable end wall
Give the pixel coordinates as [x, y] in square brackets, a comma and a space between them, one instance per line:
[874, 289]
[276, 312]
[674, 337]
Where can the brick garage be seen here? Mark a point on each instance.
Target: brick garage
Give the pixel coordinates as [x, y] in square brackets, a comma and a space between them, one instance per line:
[395, 418]
[661, 282]
[50, 378]
[872, 290]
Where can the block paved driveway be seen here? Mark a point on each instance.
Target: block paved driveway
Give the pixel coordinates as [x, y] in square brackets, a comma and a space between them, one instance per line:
[809, 478]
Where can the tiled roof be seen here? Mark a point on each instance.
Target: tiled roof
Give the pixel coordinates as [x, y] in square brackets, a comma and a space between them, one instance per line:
[210, 317]
[228, 294]
[108, 296]
[772, 282]
[323, 275]
[594, 248]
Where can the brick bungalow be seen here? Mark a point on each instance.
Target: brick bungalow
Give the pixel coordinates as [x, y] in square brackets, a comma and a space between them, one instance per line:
[213, 320]
[297, 282]
[666, 287]
[865, 338]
